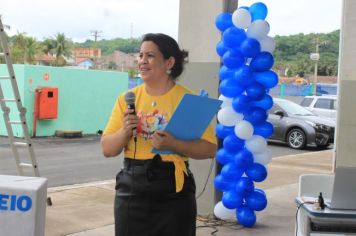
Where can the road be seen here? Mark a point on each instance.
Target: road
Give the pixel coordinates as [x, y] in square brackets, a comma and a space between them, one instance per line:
[72, 161]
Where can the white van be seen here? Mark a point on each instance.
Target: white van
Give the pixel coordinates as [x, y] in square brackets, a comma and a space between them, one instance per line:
[324, 105]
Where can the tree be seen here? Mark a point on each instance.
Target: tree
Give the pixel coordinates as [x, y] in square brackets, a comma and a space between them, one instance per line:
[132, 73]
[112, 65]
[31, 50]
[293, 52]
[62, 48]
[47, 46]
[18, 47]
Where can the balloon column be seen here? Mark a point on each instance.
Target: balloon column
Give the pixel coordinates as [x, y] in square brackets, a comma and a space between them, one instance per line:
[245, 79]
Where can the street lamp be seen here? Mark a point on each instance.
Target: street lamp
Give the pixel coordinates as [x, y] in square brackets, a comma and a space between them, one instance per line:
[315, 57]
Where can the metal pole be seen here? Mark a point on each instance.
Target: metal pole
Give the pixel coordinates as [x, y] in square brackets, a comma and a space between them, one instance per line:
[315, 76]
[316, 66]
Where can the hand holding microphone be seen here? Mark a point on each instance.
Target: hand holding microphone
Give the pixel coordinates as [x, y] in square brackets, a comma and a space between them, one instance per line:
[130, 119]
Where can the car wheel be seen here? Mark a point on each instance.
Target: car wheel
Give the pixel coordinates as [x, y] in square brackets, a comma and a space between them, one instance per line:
[296, 138]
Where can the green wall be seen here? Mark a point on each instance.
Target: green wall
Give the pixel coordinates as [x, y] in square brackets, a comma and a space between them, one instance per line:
[85, 97]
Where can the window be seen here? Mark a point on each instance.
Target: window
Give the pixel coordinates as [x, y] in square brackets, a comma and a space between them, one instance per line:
[306, 102]
[323, 103]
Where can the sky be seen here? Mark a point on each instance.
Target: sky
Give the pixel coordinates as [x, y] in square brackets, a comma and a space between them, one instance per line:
[77, 19]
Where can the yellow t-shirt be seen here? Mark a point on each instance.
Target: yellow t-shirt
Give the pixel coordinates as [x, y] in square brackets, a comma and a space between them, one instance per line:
[154, 113]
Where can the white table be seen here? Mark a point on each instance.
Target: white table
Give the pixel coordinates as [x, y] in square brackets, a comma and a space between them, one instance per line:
[326, 221]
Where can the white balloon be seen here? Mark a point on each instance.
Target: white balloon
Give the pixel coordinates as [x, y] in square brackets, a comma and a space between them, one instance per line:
[267, 44]
[227, 102]
[258, 29]
[228, 116]
[224, 213]
[256, 144]
[243, 130]
[264, 157]
[241, 18]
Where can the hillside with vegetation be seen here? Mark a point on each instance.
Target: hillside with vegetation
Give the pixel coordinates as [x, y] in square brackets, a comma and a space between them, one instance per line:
[292, 54]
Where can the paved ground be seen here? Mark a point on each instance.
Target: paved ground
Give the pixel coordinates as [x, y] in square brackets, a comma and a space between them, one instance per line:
[86, 209]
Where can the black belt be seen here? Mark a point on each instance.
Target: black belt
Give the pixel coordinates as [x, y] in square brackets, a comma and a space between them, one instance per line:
[155, 162]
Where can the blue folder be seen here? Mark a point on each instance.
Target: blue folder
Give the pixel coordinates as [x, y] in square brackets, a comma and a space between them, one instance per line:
[191, 118]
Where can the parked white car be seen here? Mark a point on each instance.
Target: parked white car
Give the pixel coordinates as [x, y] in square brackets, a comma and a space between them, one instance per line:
[324, 105]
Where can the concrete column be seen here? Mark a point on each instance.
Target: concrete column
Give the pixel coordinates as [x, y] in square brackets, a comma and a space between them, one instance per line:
[198, 35]
[345, 152]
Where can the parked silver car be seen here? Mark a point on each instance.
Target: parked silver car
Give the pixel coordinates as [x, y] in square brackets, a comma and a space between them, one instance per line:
[324, 105]
[299, 127]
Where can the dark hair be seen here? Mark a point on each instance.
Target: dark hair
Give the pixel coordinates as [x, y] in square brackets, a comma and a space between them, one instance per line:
[169, 48]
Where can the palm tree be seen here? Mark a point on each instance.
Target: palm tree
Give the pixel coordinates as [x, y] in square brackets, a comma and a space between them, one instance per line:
[48, 46]
[31, 50]
[62, 48]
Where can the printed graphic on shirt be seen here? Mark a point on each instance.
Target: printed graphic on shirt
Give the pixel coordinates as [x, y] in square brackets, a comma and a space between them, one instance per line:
[150, 122]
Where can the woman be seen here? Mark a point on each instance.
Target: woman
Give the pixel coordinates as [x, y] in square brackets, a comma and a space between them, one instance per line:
[155, 194]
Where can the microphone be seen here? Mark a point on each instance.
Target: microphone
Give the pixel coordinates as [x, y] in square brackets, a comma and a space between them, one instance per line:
[130, 98]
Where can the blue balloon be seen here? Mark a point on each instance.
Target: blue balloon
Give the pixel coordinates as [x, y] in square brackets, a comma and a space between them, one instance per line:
[223, 131]
[226, 73]
[244, 75]
[233, 36]
[233, 58]
[230, 88]
[263, 61]
[246, 216]
[223, 21]
[232, 143]
[265, 129]
[258, 11]
[255, 91]
[257, 172]
[224, 157]
[256, 201]
[223, 184]
[221, 48]
[244, 186]
[245, 7]
[255, 115]
[232, 200]
[243, 159]
[269, 79]
[231, 171]
[265, 103]
[250, 47]
[241, 103]
[260, 191]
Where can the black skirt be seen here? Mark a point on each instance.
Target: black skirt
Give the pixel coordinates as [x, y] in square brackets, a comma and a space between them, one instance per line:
[146, 202]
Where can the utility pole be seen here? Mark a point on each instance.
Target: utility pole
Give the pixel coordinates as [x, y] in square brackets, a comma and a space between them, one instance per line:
[96, 35]
[131, 30]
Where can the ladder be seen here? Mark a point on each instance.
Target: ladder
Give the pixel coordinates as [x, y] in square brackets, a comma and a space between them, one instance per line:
[20, 165]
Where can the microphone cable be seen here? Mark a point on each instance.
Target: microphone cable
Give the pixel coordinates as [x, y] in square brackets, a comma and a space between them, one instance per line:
[207, 179]
[132, 187]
